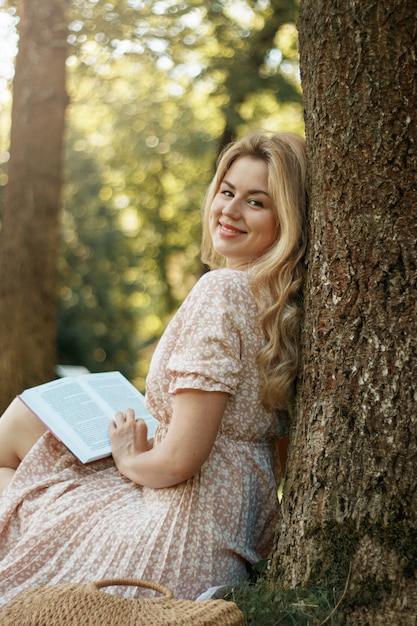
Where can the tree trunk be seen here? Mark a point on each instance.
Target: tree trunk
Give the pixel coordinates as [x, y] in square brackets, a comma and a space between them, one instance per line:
[350, 498]
[29, 227]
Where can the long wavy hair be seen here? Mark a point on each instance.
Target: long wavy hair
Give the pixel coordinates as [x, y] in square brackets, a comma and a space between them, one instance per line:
[276, 276]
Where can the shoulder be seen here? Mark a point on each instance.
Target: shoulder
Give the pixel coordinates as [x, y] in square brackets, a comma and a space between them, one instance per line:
[224, 290]
[224, 281]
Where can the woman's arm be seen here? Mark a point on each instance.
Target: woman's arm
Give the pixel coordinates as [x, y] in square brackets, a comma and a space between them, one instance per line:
[195, 421]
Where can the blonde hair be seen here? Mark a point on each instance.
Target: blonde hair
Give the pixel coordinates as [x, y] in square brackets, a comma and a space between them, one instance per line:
[276, 276]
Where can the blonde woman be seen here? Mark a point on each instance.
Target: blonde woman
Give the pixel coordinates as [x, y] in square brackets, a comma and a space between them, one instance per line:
[197, 505]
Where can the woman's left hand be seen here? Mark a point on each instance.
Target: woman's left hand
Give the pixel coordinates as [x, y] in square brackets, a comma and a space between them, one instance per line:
[128, 437]
[196, 418]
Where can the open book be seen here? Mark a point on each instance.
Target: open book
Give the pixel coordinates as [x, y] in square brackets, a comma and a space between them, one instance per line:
[77, 410]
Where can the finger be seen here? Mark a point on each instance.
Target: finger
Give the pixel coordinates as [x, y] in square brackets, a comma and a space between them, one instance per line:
[130, 414]
[119, 419]
[141, 427]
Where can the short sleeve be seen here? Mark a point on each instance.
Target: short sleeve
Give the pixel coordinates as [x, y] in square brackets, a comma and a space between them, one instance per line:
[207, 353]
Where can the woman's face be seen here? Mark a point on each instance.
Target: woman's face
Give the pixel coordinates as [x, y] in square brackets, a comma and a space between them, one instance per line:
[242, 220]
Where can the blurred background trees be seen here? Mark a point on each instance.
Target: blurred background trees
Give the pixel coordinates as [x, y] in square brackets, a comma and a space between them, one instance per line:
[30, 212]
[156, 89]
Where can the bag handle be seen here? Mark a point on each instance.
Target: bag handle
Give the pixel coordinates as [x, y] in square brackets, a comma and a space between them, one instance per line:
[132, 582]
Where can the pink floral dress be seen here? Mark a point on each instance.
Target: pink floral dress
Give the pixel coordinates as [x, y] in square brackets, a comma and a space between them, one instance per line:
[62, 521]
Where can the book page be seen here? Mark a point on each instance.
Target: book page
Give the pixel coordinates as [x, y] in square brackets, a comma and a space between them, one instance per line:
[120, 395]
[117, 392]
[87, 419]
[78, 410]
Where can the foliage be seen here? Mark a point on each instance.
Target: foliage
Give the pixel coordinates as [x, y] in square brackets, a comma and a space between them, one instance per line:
[131, 216]
[156, 88]
[250, 57]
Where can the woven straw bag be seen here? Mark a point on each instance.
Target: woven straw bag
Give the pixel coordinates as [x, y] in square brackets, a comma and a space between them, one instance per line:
[83, 604]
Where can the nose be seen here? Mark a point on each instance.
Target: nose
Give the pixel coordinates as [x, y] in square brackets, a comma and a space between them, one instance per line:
[232, 208]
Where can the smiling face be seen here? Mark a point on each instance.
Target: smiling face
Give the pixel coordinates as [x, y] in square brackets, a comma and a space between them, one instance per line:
[242, 220]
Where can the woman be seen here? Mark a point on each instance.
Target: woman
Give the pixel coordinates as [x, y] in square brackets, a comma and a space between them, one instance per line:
[198, 504]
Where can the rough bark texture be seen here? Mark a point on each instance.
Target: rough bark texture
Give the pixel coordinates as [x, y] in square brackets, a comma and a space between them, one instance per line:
[350, 499]
[29, 223]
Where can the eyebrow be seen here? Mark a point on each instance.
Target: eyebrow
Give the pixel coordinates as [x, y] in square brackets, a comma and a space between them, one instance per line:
[250, 191]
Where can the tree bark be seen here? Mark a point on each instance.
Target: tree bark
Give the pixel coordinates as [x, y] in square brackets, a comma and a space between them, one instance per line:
[29, 226]
[350, 498]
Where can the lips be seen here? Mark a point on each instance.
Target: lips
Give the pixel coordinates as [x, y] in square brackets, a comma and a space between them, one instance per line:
[231, 230]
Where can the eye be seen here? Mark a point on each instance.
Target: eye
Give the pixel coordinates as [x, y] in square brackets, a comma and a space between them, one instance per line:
[227, 193]
[257, 204]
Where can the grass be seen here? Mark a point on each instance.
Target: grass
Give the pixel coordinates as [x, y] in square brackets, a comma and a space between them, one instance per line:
[265, 605]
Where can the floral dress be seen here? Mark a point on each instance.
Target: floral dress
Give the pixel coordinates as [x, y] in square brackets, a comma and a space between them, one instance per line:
[62, 521]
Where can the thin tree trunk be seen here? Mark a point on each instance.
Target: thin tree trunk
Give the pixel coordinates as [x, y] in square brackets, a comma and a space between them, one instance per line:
[350, 499]
[29, 226]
